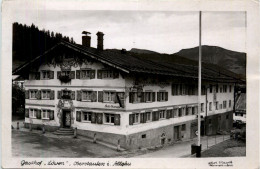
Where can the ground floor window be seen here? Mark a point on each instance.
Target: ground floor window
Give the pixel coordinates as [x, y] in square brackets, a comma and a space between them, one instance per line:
[193, 110]
[32, 113]
[45, 114]
[87, 116]
[175, 112]
[46, 94]
[109, 118]
[109, 96]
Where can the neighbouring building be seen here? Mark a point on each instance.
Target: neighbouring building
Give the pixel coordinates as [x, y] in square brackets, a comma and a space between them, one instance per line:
[115, 95]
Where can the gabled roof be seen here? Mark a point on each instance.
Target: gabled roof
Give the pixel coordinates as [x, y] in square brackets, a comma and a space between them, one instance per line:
[130, 63]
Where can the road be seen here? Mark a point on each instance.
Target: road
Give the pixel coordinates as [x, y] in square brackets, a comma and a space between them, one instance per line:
[182, 149]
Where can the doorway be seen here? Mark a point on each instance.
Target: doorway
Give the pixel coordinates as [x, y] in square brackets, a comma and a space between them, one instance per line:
[66, 118]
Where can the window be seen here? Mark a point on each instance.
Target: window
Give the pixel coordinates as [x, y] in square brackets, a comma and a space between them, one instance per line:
[45, 114]
[224, 88]
[183, 111]
[148, 96]
[87, 116]
[220, 106]
[148, 116]
[65, 73]
[32, 113]
[224, 104]
[109, 118]
[193, 110]
[85, 74]
[109, 96]
[45, 94]
[220, 89]
[107, 74]
[143, 135]
[216, 88]
[227, 116]
[216, 105]
[229, 104]
[33, 94]
[183, 127]
[162, 96]
[175, 112]
[210, 106]
[230, 88]
[202, 107]
[45, 74]
[162, 114]
[174, 89]
[86, 95]
[136, 118]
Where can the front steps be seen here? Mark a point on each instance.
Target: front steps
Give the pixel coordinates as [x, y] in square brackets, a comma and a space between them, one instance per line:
[64, 132]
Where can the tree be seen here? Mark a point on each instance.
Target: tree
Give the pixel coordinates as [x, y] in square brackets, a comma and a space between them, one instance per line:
[18, 99]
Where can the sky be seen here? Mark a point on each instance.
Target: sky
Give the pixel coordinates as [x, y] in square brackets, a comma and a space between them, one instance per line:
[160, 31]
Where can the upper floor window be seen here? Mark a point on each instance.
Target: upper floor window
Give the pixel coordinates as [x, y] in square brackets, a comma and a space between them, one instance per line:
[65, 76]
[175, 112]
[210, 106]
[136, 118]
[162, 96]
[107, 74]
[229, 103]
[224, 104]
[66, 94]
[220, 106]
[109, 118]
[86, 95]
[202, 107]
[183, 127]
[46, 74]
[216, 105]
[180, 112]
[33, 94]
[109, 96]
[183, 89]
[230, 88]
[162, 114]
[34, 76]
[85, 74]
[45, 94]
[141, 97]
[224, 88]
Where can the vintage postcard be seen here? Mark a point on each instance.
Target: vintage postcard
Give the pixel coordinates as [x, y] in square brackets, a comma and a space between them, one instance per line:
[130, 84]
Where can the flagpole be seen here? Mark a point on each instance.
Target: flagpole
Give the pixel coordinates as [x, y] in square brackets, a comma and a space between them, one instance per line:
[199, 81]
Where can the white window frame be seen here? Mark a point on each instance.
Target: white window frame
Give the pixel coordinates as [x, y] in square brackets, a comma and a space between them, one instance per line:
[224, 104]
[162, 95]
[89, 116]
[109, 96]
[88, 95]
[32, 113]
[109, 117]
[148, 114]
[210, 106]
[229, 104]
[45, 74]
[202, 107]
[35, 93]
[86, 73]
[107, 74]
[136, 119]
[216, 105]
[48, 94]
[162, 114]
[148, 96]
[45, 114]
[224, 88]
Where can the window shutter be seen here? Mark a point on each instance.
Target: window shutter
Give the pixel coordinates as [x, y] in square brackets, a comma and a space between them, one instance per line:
[145, 117]
[187, 110]
[157, 115]
[93, 118]
[38, 114]
[141, 117]
[117, 119]
[131, 97]
[38, 95]
[72, 75]
[121, 99]
[99, 118]
[100, 96]
[158, 96]
[51, 115]
[58, 74]
[77, 74]
[131, 116]
[72, 95]
[154, 116]
[79, 95]
[78, 116]
[26, 94]
[52, 95]
[116, 74]
[51, 75]
[27, 113]
[92, 74]
[143, 97]
[59, 94]
[116, 98]
[94, 96]
[168, 114]
[99, 74]
[166, 96]
[153, 96]
[37, 75]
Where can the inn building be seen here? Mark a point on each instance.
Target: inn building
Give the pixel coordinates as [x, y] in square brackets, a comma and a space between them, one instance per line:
[116, 96]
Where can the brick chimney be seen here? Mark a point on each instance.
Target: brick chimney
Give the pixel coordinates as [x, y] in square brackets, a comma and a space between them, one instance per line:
[100, 40]
[86, 40]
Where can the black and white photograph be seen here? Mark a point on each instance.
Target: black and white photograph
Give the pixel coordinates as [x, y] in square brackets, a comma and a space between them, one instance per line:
[128, 84]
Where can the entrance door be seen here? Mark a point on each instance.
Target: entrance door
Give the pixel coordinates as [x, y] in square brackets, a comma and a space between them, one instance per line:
[66, 118]
[176, 133]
